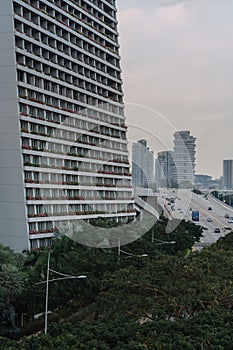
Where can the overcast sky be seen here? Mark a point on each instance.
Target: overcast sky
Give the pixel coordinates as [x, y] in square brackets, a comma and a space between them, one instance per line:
[177, 62]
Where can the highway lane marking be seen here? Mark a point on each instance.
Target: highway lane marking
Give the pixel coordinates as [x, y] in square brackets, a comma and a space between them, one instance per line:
[207, 235]
[222, 204]
[208, 214]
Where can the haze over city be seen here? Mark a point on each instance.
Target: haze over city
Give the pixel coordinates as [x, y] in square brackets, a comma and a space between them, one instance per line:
[177, 61]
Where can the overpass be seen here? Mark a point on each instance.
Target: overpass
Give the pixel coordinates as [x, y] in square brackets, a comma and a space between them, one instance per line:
[146, 200]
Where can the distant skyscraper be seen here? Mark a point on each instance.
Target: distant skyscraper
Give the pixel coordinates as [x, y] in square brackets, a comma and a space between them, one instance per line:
[150, 166]
[228, 174]
[142, 164]
[63, 150]
[164, 169]
[184, 157]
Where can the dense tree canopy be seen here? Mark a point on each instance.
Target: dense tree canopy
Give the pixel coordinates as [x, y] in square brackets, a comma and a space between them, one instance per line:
[11, 286]
[171, 299]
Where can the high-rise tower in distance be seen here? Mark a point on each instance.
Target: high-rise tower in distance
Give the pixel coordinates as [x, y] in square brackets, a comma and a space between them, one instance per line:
[142, 164]
[63, 148]
[228, 174]
[184, 158]
[165, 169]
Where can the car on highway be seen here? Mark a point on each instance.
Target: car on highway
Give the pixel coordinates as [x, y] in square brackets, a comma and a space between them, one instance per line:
[209, 220]
[209, 208]
[230, 221]
[217, 230]
[227, 216]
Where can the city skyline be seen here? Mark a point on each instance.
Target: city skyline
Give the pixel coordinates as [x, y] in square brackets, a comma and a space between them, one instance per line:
[170, 168]
[177, 72]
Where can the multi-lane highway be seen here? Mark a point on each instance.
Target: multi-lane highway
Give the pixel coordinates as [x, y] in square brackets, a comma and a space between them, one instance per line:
[216, 214]
[212, 212]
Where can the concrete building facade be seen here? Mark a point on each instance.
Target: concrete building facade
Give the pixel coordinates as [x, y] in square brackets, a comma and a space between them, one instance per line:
[165, 169]
[142, 164]
[63, 145]
[184, 158]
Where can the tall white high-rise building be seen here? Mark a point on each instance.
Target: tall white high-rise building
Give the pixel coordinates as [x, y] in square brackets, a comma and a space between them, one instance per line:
[165, 169]
[142, 164]
[63, 148]
[184, 158]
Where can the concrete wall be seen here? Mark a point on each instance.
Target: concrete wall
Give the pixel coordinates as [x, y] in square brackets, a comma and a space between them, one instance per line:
[13, 220]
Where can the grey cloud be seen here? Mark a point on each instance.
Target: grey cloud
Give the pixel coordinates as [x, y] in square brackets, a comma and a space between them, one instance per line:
[183, 71]
[172, 2]
[125, 4]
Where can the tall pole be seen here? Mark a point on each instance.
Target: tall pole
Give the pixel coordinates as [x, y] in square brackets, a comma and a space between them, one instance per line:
[119, 247]
[152, 235]
[46, 297]
[65, 277]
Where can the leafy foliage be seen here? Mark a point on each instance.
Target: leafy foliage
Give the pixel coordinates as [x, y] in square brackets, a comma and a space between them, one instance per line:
[11, 286]
[170, 299]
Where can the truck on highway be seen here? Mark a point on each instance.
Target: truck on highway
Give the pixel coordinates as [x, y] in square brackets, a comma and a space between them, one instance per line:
[195, 215]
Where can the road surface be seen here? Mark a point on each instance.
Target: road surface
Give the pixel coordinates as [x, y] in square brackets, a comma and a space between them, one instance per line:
[185, 200]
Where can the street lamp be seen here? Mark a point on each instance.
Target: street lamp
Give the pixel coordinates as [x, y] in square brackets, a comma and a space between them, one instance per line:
[159, 241]
[230, 199]
[127, 253]
[223, 197]
[65, 277]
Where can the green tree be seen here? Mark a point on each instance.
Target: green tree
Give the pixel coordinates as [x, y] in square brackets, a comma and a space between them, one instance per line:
[11, 286]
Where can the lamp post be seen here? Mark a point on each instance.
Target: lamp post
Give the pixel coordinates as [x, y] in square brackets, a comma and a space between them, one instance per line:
[46, 297]
[127, 253]
[159, 241]
[223, 197]
[230, 199]
[65, 276]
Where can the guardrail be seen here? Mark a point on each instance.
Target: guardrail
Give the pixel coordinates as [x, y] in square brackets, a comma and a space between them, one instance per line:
[227, 206]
